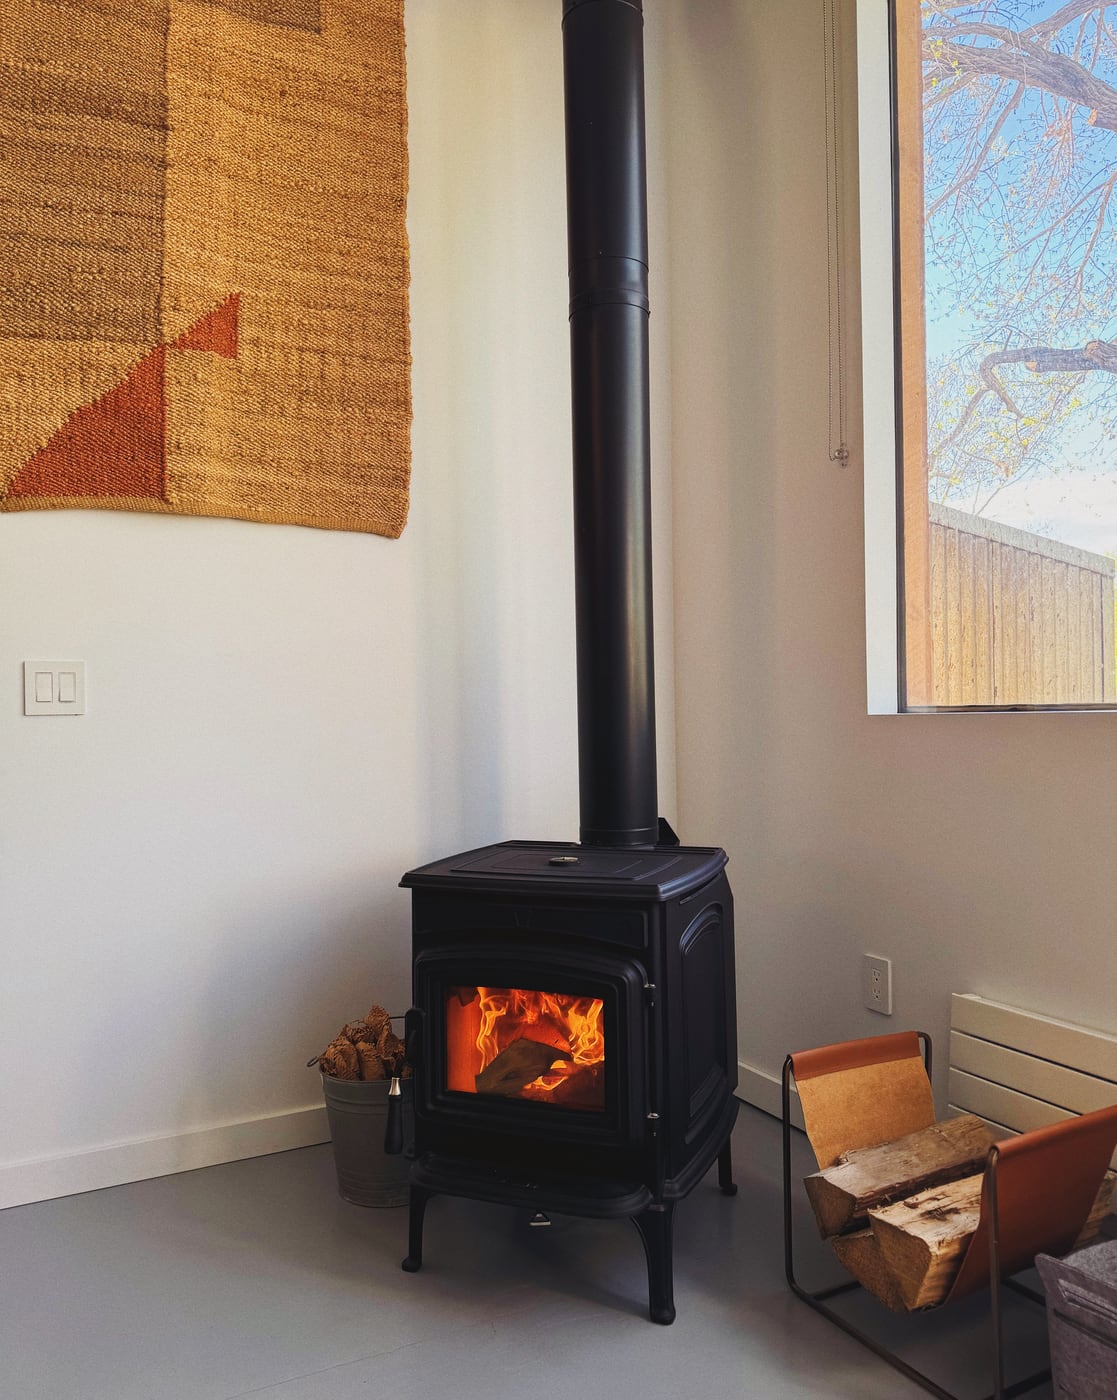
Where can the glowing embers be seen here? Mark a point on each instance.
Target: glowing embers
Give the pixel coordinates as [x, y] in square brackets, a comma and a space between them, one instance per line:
[520, 1044]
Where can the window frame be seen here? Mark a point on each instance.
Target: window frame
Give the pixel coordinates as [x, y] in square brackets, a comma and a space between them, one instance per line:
[881, 389]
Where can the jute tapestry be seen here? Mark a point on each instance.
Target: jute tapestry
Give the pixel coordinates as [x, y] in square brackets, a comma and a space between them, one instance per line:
[203, 259]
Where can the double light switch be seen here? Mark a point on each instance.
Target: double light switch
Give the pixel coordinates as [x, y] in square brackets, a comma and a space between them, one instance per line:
[54, 687]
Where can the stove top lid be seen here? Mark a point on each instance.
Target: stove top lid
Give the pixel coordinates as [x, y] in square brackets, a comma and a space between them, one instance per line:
[657, 872]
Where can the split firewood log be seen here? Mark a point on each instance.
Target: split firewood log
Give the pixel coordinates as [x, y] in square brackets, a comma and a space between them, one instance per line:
[516, 1066]
[860, 1253]
[1099, 1210]
[924, 1239]
[842, 1194]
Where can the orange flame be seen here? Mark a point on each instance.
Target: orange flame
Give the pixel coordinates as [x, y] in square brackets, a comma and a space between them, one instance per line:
[573, 1025]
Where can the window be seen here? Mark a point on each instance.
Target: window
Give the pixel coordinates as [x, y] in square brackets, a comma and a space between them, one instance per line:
[989, 186]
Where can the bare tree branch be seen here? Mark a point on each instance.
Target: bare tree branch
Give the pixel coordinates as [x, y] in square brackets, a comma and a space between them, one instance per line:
[974, 167]
[1045, 233]
[1020, 189]
[1022, 61]
[956, 432]
[1044, 359]
[1099, 224]
[1045, 28]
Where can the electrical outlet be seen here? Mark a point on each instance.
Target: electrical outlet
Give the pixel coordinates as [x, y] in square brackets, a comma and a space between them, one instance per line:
[876, 984]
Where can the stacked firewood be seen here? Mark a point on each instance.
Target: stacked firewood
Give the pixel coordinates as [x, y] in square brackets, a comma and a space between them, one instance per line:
[367, 1049]
[901, 1216]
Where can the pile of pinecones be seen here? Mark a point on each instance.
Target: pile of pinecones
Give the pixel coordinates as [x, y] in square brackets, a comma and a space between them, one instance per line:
[367, 1049]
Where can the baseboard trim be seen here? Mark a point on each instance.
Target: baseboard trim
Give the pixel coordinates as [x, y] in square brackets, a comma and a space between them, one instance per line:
[69, 1173]
[763, 1091]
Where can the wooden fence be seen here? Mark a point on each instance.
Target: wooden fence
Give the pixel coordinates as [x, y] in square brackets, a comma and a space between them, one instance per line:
[1017, 619]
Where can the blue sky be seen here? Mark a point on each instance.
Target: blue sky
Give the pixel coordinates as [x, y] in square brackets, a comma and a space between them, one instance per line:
[1075, 499]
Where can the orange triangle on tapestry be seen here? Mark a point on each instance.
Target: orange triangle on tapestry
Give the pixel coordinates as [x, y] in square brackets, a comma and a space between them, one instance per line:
[216, 330]
[113, 446]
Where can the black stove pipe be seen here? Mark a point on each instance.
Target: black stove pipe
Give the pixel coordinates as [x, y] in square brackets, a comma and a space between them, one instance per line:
[608, 257]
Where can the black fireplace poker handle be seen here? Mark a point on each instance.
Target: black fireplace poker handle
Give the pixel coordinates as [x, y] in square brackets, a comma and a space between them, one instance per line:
[393, 1128]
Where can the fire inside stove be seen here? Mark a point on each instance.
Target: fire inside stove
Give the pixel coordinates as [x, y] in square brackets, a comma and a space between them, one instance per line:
[515, 1043]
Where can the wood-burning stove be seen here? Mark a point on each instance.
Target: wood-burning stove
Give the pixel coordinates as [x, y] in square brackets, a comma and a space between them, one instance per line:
[573, 1033]
[573, 1030]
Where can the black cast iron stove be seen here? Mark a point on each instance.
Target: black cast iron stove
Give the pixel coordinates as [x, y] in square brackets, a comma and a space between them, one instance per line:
[573, 1028]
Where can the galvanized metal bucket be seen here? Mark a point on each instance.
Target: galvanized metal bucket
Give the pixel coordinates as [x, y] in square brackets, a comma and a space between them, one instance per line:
[357, 1111]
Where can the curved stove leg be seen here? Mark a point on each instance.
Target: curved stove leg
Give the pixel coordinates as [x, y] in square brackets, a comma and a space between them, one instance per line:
[654, 1225]
[725, 1170]
[418, 1207]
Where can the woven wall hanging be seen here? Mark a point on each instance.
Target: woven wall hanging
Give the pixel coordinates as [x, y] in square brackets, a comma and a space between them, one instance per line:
[203, 259]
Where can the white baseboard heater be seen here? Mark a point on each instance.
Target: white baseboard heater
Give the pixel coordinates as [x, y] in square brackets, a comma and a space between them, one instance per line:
[1020, 1070]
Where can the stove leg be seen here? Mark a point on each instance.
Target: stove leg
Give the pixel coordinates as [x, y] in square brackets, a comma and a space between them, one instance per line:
[414, 1261]
[725, 1170]
[654, 1225]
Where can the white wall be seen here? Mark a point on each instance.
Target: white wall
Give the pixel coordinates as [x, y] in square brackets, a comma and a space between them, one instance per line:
[976, 851]
[198, 879]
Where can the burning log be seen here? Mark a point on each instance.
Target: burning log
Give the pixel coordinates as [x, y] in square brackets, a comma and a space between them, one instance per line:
[517, 1065]
[842, 1194]
[583, 1088]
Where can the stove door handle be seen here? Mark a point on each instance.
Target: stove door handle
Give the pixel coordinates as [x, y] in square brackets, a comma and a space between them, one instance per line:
[413, 1038]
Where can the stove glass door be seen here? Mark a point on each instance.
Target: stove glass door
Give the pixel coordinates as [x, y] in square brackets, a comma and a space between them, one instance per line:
[518, 1043]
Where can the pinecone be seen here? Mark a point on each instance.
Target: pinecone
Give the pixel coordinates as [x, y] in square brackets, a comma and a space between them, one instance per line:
[339, 1060]
[372, 1066]
[357, 1031]
[390, 1049]
[378, 1021]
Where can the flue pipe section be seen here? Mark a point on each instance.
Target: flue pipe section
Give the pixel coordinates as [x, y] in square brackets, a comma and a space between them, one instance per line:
[607, 229]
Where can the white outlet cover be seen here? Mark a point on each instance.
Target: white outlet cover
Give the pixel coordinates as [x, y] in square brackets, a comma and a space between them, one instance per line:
[876, 984]
[53, 687]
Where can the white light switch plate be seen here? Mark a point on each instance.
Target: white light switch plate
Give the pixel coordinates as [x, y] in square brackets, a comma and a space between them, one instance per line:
[54, 687]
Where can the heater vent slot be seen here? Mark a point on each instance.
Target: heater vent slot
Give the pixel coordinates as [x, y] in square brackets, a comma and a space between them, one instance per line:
[1020, 1070]
[702, 962]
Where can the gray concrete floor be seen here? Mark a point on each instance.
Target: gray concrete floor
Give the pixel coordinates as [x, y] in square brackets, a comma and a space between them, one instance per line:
[255, 1279]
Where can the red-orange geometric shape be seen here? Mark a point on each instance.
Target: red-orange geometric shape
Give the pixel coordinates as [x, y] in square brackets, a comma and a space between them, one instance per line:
[216, 330]
[116, 445]
[113, 446]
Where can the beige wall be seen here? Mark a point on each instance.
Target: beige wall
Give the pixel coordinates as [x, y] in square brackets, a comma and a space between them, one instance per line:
[198, 879]
[976, 851]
